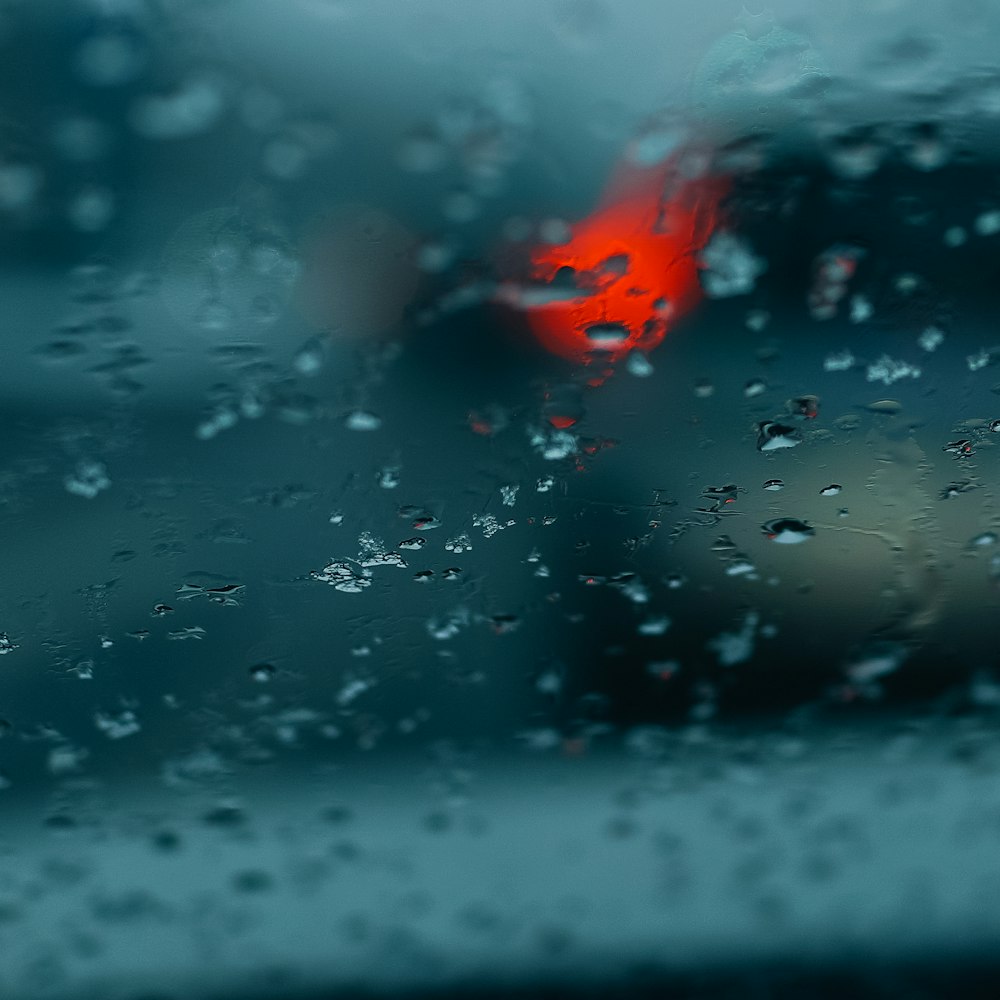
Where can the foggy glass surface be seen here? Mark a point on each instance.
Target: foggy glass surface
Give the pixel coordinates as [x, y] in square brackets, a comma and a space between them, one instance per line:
[365, 625]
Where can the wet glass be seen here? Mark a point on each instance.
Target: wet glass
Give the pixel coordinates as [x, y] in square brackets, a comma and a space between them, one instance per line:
[498, 498]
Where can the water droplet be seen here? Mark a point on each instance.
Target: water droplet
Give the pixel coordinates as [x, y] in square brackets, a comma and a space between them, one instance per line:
[729, 266]
[955, 236]
[774, 485]
[87, 480]
[987, 223]
[117, 727]
[830, 491]
[362, 420]
[963, 448]
[875, 660]
[638, 365]
[262, 673]
[771, 436]
[840, 362]
[787, 531]
[344, 577]
[606, 336]
[886, 407]
[388, 477]
[861, 309]
[310, 358]
[656, 625]
[931, 339]
[458, 544]
[888, 370]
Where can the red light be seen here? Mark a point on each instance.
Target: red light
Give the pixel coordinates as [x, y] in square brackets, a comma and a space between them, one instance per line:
[633, 263]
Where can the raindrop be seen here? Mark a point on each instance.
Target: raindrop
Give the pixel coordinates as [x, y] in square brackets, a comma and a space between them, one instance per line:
[875, 660]
[117, 727]
[656, 625]
[87, 480]
[840, 362]
[774, 485]
[388, 477]
[804, 407]
[729, 266]
[458, 544]
[885, 407]
[771, 436]
[344, 577]
[425, 522]
[362, 420]
[638, 364]
[787, 531]
[888, 370]
[962, 448]
[310, 358]
[830, 491]
[724, 544]
[983, 539]
[988, 223]
[607, 336]
[931, 339]
[955, 236]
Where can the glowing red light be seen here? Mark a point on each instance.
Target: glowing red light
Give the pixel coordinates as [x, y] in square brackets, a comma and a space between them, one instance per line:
[629, 269]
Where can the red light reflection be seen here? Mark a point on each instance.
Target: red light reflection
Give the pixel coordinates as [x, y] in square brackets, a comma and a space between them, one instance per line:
[629, 269]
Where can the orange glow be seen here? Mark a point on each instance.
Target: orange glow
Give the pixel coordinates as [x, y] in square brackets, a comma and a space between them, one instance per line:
[629, 268]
